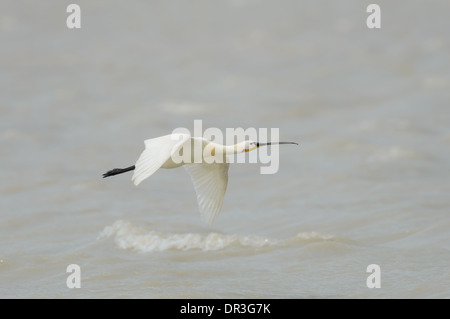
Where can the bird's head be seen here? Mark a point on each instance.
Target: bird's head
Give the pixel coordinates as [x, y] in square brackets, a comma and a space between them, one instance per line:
[250, 145]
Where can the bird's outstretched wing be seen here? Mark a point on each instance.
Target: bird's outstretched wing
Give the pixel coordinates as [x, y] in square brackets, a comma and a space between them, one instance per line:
[210, 183]
[157, 151]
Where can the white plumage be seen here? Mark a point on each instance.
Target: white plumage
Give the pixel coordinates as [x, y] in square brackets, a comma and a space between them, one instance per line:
[210, 179]
[205, 161]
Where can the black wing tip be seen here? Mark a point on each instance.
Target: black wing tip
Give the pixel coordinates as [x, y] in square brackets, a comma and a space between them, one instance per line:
[108, 173]
[116, 171]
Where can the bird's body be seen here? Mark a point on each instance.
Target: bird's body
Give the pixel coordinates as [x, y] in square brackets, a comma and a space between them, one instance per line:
[205, 161]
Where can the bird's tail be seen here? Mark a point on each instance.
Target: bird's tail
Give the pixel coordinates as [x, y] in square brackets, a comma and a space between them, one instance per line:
[116, 171]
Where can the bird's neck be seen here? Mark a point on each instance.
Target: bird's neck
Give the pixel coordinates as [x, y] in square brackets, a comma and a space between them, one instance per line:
[226, 149]
[235, 149]
[231, 149]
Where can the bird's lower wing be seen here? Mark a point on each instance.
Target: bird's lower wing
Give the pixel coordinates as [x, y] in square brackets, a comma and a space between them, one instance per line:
[157, 151]
[210, 183]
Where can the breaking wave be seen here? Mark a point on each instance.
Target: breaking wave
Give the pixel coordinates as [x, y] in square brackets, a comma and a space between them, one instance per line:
[128, 236]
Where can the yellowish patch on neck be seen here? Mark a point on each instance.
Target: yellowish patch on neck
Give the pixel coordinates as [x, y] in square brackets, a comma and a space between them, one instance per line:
[251, 149]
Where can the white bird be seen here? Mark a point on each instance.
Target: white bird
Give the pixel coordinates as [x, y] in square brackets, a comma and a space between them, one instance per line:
[208, 171]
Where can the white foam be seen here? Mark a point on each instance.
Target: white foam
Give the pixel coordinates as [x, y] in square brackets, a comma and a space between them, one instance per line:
[128, 236]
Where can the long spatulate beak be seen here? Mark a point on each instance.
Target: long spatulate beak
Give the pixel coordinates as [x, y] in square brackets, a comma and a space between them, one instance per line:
[274, 143]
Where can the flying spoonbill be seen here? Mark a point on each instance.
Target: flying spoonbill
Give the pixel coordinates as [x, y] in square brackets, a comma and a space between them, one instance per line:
[209, 176]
